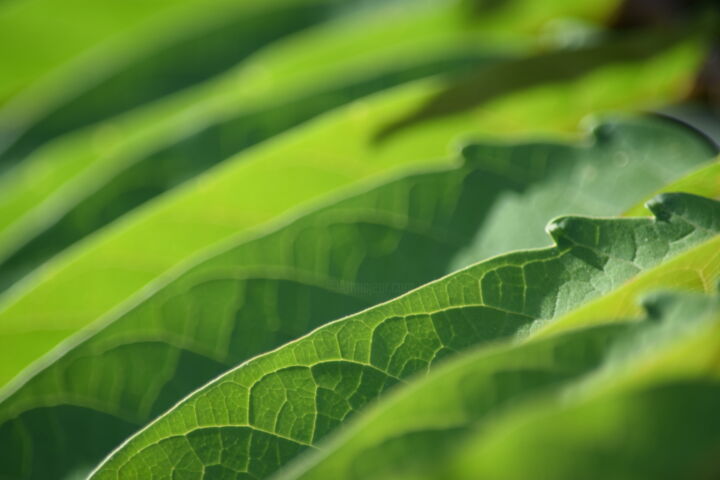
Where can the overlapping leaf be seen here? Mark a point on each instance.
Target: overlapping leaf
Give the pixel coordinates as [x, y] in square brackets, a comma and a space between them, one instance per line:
[385, 442]
[632, 161]
[255, 418]
[705, 181]
[84, 181]
[349, 210]
[256, 295]
[115, 264]
[695, 270]
[117, 52]
[655, 416]
[411, 432]
[121, 55]
[234, 305]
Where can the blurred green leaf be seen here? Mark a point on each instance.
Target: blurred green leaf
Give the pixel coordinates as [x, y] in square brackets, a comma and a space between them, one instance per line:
[263, 198]
[82, 61]
[323, 159]
[652, 416]
[84, 181]
[705, 181]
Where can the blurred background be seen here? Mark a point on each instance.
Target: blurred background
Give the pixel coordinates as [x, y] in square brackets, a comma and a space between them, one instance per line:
[104, 106]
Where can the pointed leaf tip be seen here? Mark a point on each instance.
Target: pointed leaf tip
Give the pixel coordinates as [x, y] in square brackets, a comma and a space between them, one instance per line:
[557, 229]
[662, 205]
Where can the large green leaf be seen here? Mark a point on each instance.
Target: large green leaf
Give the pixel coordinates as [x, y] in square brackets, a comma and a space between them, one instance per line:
[310, 220]
[384, 443]
[255, 295]
[411, 434]
[88, 179]
[412, 431]
[258, 416]
[194, 40]
[652, 415]
[122, 54]
[301, 169]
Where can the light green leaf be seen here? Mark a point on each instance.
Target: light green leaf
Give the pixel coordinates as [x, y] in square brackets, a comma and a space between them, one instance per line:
[89, 61]
[118, 50]
[653, 415]
[255, 295]
[38, 18]
[335, 154]
[705, 181]
[242, 301]
[83, 181]
[260, 415]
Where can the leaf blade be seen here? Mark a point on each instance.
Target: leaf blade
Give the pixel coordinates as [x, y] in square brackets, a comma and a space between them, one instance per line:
[434, 324]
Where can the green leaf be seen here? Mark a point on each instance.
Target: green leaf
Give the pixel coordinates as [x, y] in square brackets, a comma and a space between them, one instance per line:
[242, 301]
[35, 17]
[411, 432]
[385, 441]
[652, 415]
[695, 270]
[86, 180]
[254, 295]
[260, 415]
[120, 50]
[224, 261]
[418, 431]
[117, 53]
[596, 182]
[705, 181]
[97, 275]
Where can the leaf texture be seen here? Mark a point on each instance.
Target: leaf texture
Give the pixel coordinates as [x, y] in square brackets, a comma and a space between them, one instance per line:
[384, 442]
[254, 295]
[259, 416]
